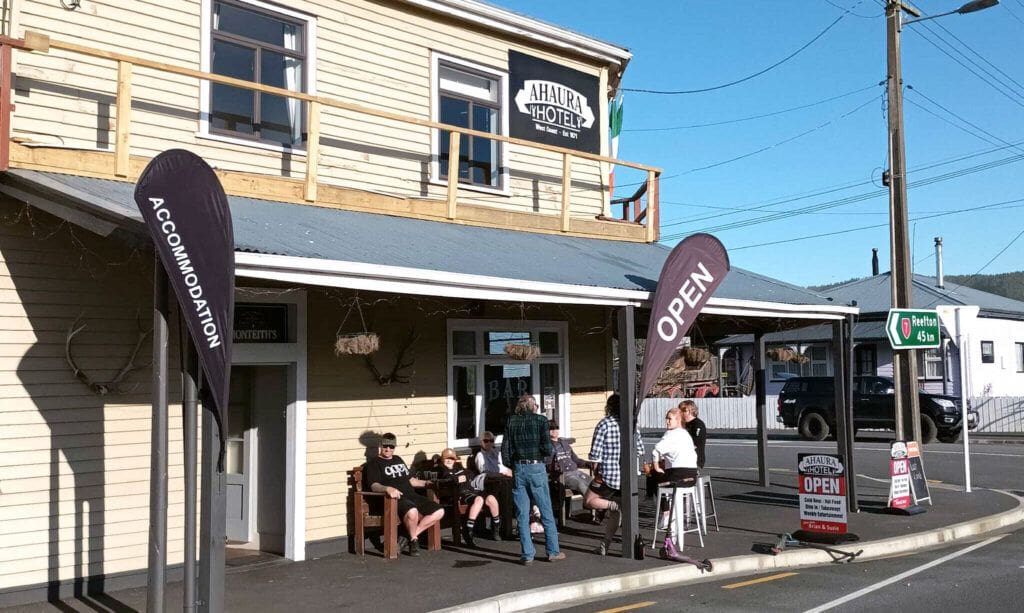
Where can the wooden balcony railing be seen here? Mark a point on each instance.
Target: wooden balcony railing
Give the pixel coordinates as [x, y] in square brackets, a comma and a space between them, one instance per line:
[645, 214]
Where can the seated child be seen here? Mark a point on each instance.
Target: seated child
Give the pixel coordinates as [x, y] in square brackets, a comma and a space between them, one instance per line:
[469, 492]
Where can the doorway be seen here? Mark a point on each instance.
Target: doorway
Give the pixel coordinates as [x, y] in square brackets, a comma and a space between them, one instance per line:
[255, 458]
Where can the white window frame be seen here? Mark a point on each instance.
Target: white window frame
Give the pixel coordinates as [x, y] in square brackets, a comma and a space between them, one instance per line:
[436, 59]
[932, 356]
[205, 62]
[1020, 356]
[480, 358]
[794, 368]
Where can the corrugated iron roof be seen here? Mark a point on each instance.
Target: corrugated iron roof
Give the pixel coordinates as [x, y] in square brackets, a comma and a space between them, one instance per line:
[280, 228]
[873, 296]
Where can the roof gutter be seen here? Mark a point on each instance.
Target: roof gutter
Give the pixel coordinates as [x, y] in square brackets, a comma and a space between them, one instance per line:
[509, 22]
[418, 281]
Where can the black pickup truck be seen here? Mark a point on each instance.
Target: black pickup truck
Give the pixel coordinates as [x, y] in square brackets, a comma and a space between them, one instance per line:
[807, 403]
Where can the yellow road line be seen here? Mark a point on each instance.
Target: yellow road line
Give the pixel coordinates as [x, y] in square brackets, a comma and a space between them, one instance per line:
[629, 607]
[733, 586]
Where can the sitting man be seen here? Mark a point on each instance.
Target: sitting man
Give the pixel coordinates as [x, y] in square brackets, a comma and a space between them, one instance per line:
[488, 459]
[564, 464]
[469, 492]
[388, 474]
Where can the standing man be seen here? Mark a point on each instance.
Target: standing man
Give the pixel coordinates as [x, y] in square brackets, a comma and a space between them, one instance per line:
[605, 450]
[698, 431]
[388, 474]
[526, 446]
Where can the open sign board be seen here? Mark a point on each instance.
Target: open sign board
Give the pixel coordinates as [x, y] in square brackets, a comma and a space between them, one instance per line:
[822, 493]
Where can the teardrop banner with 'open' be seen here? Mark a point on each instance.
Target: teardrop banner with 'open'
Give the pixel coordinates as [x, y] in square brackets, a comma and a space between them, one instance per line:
[691, 274]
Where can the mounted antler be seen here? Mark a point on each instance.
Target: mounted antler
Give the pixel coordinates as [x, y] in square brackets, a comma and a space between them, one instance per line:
[400, 363]
[114, 385]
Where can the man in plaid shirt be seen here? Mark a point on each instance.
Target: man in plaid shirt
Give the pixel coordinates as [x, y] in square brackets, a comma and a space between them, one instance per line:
[605, 452]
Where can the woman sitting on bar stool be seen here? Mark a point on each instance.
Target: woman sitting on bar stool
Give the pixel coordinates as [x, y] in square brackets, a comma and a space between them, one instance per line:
[679, 454]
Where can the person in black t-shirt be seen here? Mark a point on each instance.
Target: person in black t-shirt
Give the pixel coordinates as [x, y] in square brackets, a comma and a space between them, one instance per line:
[698, 431]
[469, 492]
[388, 474]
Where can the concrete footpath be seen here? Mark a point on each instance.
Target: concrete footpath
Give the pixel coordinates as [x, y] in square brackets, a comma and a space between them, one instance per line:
[489, 577]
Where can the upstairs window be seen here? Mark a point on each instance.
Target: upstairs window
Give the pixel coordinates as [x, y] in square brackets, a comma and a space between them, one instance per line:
[471, 97]
[256, 42]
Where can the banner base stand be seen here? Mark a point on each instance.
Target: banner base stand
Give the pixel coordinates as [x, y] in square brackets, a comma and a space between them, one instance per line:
[911, 510]
[825, 538]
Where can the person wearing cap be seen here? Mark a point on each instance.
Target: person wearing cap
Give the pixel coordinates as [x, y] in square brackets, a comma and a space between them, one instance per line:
[388, 474]
[564, 464]
[527, 444]
[470, 493]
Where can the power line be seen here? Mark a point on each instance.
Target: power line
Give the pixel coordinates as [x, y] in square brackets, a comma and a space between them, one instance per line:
[762, 205]
[941, 118]
[993, 259]
[851, 199]
[752, 117]
[881, 225]
[749, 77]
[973, 125]
[980, 56]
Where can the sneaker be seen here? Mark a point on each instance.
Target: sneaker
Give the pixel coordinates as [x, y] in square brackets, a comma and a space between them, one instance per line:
[602, 549]
[557, 557]
[525, 562]
[496, 533]
[414, 548]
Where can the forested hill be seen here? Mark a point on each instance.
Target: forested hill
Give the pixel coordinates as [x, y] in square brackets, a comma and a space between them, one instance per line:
[1009, 284]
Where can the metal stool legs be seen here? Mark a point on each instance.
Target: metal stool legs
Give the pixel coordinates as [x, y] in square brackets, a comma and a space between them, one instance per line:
[707, 492]
[683, 500]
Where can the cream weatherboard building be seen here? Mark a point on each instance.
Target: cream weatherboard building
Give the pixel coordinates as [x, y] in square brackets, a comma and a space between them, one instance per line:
[329, 124]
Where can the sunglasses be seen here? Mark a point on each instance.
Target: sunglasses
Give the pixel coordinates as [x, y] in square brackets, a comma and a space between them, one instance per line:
[387, 446]
[487, 440]
[446, 459]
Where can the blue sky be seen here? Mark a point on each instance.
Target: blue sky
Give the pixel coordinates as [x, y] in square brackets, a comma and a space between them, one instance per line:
[963, 130]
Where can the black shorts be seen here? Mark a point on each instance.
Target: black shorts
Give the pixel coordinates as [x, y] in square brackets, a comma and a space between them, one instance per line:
[468, 497]
[602, 490]
[682, 477]
[412, 501]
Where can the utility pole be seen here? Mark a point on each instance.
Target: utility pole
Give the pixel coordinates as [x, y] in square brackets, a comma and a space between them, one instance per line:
[908, 410]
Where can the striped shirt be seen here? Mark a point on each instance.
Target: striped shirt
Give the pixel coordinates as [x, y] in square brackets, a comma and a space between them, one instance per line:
[606, 449]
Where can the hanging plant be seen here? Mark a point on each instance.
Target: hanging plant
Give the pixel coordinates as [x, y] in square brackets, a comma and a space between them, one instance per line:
[695, 357]
[361, 342]
[356, 344]
[785, 354]
[523, 353]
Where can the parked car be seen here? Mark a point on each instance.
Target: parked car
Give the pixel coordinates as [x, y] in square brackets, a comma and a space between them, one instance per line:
[808, 404]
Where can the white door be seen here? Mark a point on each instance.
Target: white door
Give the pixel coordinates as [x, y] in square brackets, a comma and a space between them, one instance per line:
[238, 461]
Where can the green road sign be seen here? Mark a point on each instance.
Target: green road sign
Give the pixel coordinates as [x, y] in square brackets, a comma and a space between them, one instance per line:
[913, 329]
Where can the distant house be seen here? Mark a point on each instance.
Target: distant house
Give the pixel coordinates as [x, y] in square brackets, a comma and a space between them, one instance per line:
[993, 341]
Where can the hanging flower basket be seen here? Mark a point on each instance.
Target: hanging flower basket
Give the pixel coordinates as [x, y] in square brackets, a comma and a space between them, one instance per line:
[523, 353]
[785, 354]
[695, 357]
[356, 344]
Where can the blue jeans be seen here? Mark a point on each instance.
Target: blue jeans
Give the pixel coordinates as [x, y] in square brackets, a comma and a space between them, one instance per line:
[531, 482]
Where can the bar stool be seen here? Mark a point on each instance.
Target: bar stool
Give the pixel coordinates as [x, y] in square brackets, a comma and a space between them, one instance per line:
[704, 486]
[688, 498]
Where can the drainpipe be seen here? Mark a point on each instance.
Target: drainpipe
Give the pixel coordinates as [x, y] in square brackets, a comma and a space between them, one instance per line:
[939, 281]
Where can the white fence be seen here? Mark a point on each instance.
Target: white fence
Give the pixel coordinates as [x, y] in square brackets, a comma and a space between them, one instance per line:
[999, 413]
[1002, 414]
[717, 413]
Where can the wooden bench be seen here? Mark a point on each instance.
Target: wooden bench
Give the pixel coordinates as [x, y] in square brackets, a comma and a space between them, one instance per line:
[386, 520]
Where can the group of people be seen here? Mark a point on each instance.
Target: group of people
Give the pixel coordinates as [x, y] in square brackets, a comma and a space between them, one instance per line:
[533, 456]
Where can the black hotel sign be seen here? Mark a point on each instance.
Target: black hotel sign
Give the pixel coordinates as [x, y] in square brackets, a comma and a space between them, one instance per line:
[553, 104]
[261, 323]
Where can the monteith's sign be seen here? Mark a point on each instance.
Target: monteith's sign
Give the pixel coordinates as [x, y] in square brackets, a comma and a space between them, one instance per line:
[553, 104]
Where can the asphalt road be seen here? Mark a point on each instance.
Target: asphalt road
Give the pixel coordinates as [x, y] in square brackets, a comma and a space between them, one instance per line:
[983, 574]
[986, 574]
